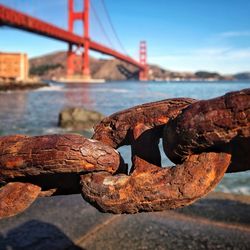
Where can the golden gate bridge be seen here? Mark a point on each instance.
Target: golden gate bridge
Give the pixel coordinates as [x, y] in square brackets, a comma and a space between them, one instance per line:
[22, 21]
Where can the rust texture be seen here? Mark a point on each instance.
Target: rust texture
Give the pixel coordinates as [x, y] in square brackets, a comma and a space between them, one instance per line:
[16, 197]
[139, 126]
[151, 188]
[52, 161]
[221, 124]
[47, 165]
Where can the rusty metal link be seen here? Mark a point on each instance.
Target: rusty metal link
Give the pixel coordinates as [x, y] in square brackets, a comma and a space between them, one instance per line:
[205, 137]
[220, 125]
[150, 188]
[48, 165]
[141, 127]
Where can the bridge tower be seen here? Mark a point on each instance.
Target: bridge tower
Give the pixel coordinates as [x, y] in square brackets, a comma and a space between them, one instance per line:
[84, 17]
[143, 74]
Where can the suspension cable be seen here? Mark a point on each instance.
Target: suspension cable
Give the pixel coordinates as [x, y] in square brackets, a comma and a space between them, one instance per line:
[101, 26]
[112, 27]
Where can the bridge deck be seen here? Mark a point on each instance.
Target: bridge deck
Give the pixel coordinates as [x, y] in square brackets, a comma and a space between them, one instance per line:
[19, 20]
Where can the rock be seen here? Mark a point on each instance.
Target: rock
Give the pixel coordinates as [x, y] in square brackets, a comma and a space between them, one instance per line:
[79, 118]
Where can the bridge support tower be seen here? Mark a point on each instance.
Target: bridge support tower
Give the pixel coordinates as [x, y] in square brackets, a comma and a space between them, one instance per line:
[143, 74]
[84, 17]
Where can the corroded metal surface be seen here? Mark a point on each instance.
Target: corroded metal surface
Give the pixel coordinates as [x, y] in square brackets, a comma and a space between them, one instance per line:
[151, 188]
[22, 156]
[141, 127]
[221, 124]
[16, 197]
[48, 165]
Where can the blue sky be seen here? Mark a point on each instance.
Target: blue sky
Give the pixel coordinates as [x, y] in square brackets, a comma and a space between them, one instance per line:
[182, 35]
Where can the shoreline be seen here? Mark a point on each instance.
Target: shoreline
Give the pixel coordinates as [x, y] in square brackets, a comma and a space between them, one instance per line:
[22, 86]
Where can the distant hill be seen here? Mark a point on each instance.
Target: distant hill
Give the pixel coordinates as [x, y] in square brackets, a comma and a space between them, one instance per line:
[242, 76]
[53, 66]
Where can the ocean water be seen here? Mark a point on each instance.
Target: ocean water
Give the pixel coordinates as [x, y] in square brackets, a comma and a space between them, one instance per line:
[36, 112]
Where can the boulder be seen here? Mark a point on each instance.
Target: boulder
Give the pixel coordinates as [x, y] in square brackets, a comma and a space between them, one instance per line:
[79, 118]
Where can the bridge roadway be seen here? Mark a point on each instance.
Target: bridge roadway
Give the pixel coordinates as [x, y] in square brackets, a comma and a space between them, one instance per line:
[19, 20]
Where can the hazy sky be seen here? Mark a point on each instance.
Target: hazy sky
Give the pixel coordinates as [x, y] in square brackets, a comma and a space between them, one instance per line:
[186, 35]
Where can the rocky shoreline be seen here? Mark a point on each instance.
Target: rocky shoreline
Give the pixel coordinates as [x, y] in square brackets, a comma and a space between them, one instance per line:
[219, 221]
[21, 86]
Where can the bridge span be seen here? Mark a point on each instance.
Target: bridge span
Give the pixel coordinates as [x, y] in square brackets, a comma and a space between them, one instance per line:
[22, 21]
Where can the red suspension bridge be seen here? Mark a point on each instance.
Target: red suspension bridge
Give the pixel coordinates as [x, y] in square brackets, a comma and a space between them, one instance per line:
[16, 19]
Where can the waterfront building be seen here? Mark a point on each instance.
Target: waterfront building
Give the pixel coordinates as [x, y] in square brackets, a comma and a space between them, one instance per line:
[14, 66]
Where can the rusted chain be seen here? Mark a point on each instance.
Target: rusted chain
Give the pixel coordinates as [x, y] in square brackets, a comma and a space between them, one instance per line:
[48, 165]
[141, 127]
[150, 188]
[63, 164]
[221, 125]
